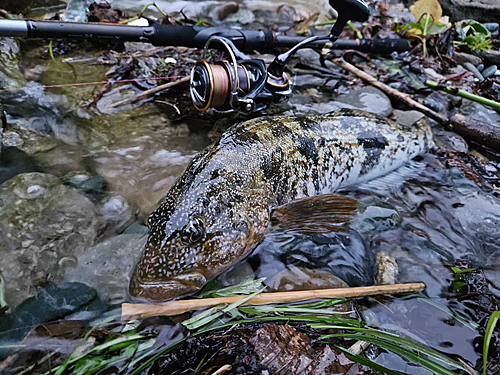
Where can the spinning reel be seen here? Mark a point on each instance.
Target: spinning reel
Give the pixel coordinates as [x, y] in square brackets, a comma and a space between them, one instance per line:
[249, 85]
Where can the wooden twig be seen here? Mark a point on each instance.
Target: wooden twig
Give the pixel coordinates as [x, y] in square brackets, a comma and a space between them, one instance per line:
[223, 370]
[393, 92]
[149, 93]
[359, 347]
[179, 307]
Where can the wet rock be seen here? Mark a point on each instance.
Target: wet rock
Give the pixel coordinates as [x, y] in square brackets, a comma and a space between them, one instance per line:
[107, 266]
[10, 75]
[136, 228]
[86, 182]
[401, 16]
[492, 27]
[242, 16]
[374, 219]
[235, 275]
[450, 141]
[407, 118]
[300, 278]
[490, 71]
[493, 57]
[51, 303]
[471, 68]
[462, 58]
[368, 99]
[480, 67]
[387, 269]
[14, 161]
[116, 209]
[223, 10]
[308, 80]
[480, 112]
[343, 254]
[42, 224]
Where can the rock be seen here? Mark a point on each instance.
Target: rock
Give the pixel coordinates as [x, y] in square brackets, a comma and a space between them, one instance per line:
[492, 27]
[407, 118]
[480, 112]
[493, 57]
[14, 161]
[471, 68]
[42, 225]
[433, 74]
[10, 75]
[308, 80]
[462, 58]
[366, 98]
[300, 278]
[235, 275]
[108, 265]
[387, 269]
[242, 16]
[490, 71]
[401, 16]
[374, 219]
[51, 303]
[450, 141]
[86, 182]
[223, 10]
[480, 67]
[136, 228]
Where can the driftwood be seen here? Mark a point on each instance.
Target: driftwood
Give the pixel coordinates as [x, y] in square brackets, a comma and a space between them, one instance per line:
[179, 307]
[472, 130]
[149, 93]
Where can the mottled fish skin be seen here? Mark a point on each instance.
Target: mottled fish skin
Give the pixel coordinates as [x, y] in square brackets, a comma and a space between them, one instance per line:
[219, 209]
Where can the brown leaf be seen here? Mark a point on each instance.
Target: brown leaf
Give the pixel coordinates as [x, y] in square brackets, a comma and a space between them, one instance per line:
[431, 7]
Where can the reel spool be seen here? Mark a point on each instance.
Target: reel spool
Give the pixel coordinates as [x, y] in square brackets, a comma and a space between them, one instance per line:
[238, 84]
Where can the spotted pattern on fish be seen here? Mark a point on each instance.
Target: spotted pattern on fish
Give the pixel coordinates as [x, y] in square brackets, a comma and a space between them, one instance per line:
[219, 209]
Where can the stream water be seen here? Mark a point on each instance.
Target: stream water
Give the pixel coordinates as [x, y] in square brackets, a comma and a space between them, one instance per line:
[97, 173]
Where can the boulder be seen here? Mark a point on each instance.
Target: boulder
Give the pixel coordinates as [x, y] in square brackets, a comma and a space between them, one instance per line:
[44, 227]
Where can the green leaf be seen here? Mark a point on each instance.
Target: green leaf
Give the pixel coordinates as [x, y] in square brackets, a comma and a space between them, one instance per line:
[116, 344]
[492, 322]
[247, 286]
[365, 361]
[398, 341]
[430, 365]
[290, 309]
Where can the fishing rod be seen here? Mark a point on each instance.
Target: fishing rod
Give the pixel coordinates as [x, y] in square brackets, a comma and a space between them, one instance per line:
[239, 83]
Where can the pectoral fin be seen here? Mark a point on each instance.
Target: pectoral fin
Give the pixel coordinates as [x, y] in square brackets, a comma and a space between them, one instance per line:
[319, 214]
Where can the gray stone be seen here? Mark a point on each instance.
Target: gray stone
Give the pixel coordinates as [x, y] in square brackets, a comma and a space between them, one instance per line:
[10, 75]
[368, 99]
[471, 68]
[108, 265]
[407, 118]
[462, 58]
[375, 219]
[450, 141]
[220, 12]
[387, 269]
[480, 112]
[308, 80]
[490, 71]
[58, 222]
[86, 182]
[300, 278]
[313, 108]
[493, 57]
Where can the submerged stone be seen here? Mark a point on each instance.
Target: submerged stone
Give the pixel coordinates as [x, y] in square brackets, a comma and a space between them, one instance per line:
[42, 224]
[368, 99]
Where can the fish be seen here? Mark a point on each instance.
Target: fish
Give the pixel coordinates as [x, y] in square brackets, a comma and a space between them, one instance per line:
[270, 173]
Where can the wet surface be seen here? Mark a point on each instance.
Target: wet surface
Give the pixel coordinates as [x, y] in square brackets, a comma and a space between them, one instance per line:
[427, 216]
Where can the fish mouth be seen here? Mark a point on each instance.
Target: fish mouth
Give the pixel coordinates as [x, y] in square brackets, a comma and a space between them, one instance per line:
[162, 290]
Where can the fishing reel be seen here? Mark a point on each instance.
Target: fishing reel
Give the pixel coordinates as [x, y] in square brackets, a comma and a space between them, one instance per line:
[239, 83]
[249, 85]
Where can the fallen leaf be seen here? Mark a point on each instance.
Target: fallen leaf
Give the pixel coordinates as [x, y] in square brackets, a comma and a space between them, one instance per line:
[431, 7]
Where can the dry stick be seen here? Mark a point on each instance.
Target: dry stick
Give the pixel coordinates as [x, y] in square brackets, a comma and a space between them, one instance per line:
[179, 307]
[473, 130]
[149, 93]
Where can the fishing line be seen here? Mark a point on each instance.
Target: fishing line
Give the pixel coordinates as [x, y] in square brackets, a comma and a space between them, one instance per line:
[96, 83]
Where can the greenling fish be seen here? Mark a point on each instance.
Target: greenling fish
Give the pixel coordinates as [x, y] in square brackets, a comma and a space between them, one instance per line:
[263, 173]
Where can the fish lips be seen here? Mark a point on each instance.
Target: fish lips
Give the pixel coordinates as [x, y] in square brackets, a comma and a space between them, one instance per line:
[162, 290]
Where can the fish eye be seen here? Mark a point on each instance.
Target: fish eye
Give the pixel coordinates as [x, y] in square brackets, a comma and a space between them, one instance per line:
[194, 232]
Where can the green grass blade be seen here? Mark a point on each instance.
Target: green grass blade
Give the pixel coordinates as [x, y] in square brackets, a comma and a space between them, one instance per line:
[247, 286]
[430, 365]
[492, 322]
[120, 340]
[365, 361]
[290, 309]
[154, 357]
[402, 342]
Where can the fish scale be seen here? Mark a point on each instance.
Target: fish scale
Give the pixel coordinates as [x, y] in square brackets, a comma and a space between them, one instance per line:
[221, 207]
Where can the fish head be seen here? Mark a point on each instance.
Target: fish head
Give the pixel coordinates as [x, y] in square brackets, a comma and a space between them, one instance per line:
[195, 238]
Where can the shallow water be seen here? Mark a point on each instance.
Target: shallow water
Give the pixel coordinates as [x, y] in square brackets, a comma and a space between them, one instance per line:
[426, 215]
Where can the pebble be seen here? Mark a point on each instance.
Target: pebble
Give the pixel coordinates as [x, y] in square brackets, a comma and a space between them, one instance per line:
[492, 27]
[490, 71]
[480, 67]
[368, 99]
[471, 68]
[462, 58]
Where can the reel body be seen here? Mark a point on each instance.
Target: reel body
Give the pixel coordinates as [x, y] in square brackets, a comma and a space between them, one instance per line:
[240, 83]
